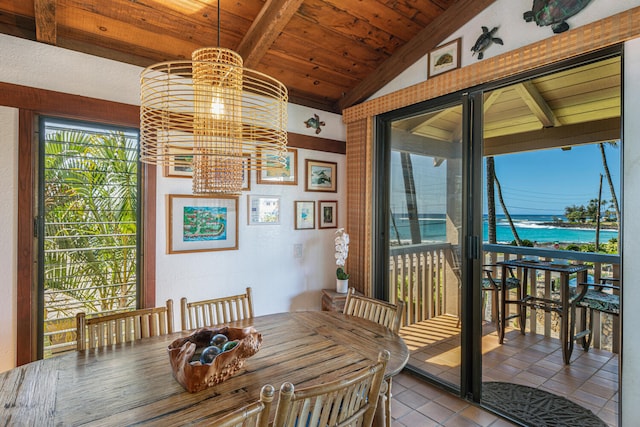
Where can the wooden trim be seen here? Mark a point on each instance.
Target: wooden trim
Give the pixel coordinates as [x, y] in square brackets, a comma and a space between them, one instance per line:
[148, 258]
[25, 312]
[31, 102]
[308, 142]
[59, 104]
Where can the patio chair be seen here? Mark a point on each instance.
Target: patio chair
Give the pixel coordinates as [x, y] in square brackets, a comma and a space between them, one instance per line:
[198, 314]
[100, 331]
[603, 297]
[348, 401]
[255, 414]
[383, 313]
[492, 284]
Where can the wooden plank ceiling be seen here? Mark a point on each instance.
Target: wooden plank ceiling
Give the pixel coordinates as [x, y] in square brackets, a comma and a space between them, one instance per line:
[331, 54]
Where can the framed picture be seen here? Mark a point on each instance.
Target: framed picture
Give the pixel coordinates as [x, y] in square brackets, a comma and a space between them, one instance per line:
[321, 176]
[263, 210]
[171, 170]
[272, 172]
[327, 214]
[305, 215]
[201, 223]
[445, 58]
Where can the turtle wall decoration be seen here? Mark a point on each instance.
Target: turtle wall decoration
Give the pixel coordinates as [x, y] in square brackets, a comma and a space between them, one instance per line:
[554, 13]
[485, 40]
[314, 123]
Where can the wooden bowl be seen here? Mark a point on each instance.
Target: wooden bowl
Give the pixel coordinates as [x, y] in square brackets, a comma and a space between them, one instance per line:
[194, 376]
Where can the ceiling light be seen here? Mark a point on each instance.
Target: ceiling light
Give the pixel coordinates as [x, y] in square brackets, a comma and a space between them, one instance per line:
[213, 116]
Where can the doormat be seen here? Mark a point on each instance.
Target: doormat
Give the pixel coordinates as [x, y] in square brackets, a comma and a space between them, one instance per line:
[533, 407]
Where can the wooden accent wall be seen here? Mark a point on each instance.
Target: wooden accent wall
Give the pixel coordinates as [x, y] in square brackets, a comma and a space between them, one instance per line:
[358, 225]
[589, 38]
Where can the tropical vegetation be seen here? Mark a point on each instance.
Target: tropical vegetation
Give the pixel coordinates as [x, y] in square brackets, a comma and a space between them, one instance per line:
[90, 225]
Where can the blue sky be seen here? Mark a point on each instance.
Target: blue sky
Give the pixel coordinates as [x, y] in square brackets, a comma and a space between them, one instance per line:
[545, 182]
[539, 182]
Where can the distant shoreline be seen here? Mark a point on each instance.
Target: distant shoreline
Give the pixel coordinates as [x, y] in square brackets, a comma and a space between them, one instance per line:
[603, 225]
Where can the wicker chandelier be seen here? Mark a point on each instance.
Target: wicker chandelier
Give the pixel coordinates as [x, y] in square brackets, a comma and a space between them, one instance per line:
[212, 116]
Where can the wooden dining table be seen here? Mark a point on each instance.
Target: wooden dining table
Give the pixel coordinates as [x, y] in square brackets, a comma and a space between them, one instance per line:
[133, 383]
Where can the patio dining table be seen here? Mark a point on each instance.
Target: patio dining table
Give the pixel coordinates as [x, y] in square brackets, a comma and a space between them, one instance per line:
[133, 383]
[530, 299]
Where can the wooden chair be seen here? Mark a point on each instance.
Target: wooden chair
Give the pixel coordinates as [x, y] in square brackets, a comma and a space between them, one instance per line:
[199, 314]
[383, 313]
[348, 401]
[100, 331]
[255, 414]
[603, 297]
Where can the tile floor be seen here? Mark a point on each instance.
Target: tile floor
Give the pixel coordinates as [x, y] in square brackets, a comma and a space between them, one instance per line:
[591, 380]
[415, 403]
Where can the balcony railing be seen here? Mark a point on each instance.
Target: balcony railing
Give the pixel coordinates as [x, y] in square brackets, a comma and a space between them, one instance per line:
[427, 278]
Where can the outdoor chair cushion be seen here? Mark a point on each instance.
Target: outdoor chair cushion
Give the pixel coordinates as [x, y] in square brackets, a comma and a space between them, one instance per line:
[512, 283]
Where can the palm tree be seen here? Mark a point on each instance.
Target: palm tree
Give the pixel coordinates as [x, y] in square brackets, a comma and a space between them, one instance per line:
[492, 180]
[91, 219]
[491, 200]
[614, 198]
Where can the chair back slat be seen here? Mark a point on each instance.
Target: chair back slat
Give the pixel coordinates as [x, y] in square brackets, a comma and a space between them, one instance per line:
[255, 414]
[381, 312]
[348, 401]
[100, 331]
[199, 314]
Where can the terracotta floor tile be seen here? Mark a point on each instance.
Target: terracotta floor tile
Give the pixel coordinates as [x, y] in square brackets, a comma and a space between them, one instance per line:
[533, 360]
[415, 418]
[436, 411]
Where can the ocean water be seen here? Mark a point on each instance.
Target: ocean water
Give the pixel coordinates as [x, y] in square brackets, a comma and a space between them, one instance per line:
[529, 227]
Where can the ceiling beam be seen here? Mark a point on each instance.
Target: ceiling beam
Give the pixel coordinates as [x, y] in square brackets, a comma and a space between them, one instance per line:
[537, 104]
[273, 17]
[45, 17]
[557, 137]
[427, 39]
[402, 140]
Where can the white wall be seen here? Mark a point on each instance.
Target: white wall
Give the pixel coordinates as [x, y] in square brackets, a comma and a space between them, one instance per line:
[8, 234]
[630, 244]
[265, 258]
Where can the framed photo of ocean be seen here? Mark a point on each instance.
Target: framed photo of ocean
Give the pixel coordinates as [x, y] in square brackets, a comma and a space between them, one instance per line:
[444, 58]
[201, 223]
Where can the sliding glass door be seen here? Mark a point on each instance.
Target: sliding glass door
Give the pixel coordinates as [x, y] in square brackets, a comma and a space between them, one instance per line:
[421, 224]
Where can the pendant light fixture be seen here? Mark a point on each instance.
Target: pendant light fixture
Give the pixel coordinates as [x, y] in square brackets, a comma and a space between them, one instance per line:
[213, 116]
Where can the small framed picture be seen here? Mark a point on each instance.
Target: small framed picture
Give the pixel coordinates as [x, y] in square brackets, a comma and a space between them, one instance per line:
[321, 176]
[327, 214]
[263, 210]
[179, 164]
[270, 171]
[305, 215]
[201, 223]
[444, 58]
